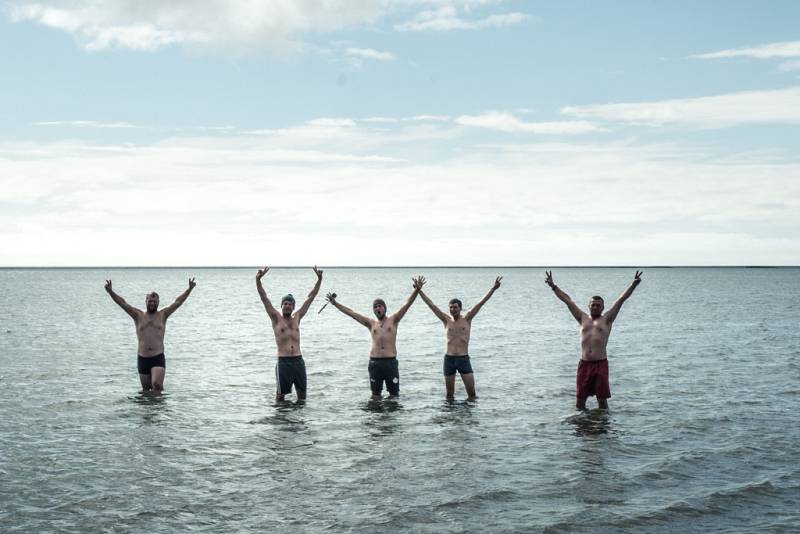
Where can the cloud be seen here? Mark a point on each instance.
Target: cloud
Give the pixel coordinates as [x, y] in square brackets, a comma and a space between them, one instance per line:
[234, 24]
[243, 25]
[329, 195]
[787, 66]
[780, 106]
[785, 49]
[447, 18]
[87, 124]
[369, 53]
[505, 122]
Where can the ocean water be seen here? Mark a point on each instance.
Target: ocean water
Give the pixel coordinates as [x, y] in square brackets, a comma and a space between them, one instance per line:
[702, 433]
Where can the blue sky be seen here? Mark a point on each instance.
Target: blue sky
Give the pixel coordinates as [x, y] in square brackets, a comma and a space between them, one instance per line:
[417, 132]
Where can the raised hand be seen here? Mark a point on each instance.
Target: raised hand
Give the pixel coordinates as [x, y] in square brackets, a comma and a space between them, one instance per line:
[549, 279]
[331, 297]
[192, 283]
[497, 283]
[318, 272]
[418, 282]
[261, 272]
[637, 278]
[108, 286]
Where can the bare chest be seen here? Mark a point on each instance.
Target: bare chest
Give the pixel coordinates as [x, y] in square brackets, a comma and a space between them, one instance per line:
[457, 329]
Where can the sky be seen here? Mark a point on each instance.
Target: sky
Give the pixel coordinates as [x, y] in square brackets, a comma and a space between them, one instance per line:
[399, 132]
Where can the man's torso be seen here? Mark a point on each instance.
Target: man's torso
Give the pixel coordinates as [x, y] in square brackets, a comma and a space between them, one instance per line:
[594, 338]
[287, 335]
[457, 333]
[150, 328]
[384, 338]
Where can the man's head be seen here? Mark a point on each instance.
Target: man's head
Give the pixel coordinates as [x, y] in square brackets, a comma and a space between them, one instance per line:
[596, 306]
[151, 302]
[287, 305]
[455, 308]
[379, 308]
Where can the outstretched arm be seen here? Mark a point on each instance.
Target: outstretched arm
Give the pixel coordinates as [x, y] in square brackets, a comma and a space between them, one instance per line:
[436, 311]
[401, 312]
[475, 309]
[611, 314]
[130, 310]
[563, 297]
[271, 311]
[169, 310]
[331, 297]
[312, 295]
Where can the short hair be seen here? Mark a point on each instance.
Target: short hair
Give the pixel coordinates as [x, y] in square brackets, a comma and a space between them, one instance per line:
[598, 297]
[287, 298]
[152, 294]
[379, 301]
[456, 301]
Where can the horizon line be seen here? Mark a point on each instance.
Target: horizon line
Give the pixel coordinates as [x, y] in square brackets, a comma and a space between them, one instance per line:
[633, 266]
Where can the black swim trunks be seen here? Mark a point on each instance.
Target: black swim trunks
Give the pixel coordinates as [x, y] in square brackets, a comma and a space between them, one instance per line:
[384, 370]
[146, 363]
[290, 370]
[456, 363]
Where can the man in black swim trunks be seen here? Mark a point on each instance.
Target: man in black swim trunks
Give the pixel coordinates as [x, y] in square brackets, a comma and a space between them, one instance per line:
[291, 368]
[383, 354]
[457, 329]
[150, 328]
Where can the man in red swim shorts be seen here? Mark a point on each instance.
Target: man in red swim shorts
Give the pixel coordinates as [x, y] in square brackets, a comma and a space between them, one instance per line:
[592, 374]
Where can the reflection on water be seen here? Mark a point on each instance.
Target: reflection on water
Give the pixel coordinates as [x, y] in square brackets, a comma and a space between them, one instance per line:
[288, 417]
[456, 412]
[591, 423]
[156, 410]
[382, 416]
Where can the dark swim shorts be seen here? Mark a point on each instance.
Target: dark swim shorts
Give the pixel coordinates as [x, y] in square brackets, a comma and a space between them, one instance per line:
[457, 363]
[592, 379]
[146, 363]
[290, 370]
[384, 370]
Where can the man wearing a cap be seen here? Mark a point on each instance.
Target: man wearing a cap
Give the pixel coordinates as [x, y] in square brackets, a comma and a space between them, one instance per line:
[290, 369]
[383, 366]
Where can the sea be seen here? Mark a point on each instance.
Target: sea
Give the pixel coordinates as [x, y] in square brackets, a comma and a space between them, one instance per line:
[701, 434]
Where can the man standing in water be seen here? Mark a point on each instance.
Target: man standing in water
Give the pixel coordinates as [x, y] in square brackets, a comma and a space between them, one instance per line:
[150, 328]
[290, 369]
[383, 354]
[592, 374]
[457, 329]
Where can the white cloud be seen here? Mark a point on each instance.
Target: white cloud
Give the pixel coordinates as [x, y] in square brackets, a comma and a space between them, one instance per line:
[369, 53]
[242, 25]
[363, 196]
[506, 122]
[785, 49]
[236, 24]
[780, 106]
[447, 18]
[789, 65]
[87, 124]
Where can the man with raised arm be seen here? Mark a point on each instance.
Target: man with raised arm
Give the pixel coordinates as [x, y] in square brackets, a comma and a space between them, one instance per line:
[150, 328]
[592, 374]
[457, 329]
[383, 354]
[290, 369]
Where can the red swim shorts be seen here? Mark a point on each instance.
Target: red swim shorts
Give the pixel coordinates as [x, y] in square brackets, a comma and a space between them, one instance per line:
[592, 379]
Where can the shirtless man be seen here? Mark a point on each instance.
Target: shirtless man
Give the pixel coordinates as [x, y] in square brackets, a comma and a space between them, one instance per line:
[290, 369]
[592, 375]
[457, 328]
[150, 327]
[383, 354]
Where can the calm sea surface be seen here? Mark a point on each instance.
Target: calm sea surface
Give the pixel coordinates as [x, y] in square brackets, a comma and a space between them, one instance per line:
[702, 434]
